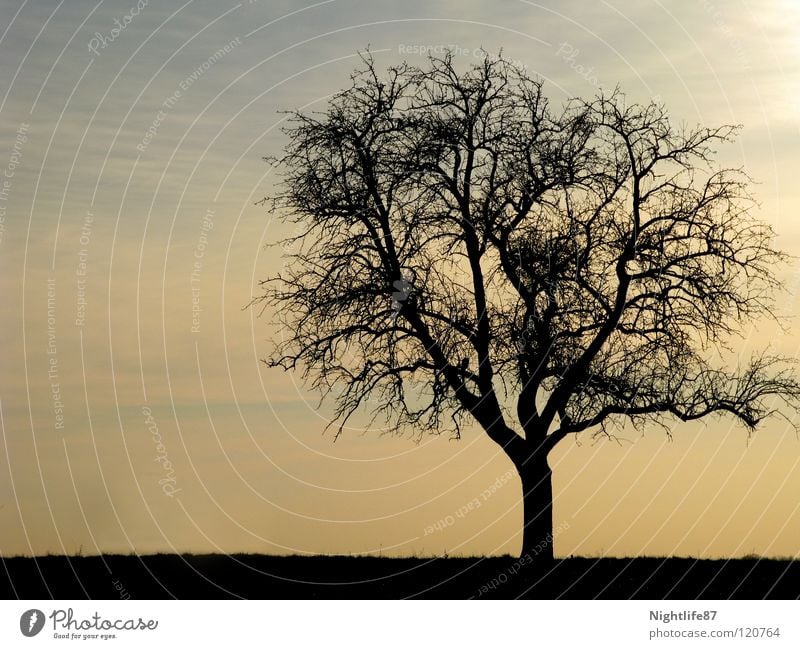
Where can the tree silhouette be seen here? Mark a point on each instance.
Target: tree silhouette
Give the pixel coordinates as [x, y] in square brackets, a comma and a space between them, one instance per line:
[464, 251]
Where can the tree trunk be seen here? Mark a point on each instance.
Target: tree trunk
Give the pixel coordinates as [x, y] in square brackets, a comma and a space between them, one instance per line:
[537, 499]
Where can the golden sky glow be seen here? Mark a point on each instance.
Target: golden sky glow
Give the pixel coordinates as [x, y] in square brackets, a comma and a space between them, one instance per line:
[135, 413]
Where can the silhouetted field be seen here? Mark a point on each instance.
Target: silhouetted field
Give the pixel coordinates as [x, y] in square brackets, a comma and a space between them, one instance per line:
[274, 577]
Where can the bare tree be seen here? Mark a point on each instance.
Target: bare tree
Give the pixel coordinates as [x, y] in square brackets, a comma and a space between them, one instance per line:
[467, 252]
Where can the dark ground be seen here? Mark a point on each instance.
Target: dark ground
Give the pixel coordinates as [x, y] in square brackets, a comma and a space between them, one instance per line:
[295, 577]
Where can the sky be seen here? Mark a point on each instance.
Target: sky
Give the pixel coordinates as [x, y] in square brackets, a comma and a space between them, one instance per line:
[135, 412]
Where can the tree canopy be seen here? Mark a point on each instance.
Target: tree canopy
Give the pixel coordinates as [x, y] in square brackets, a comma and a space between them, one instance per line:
[467, 248]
